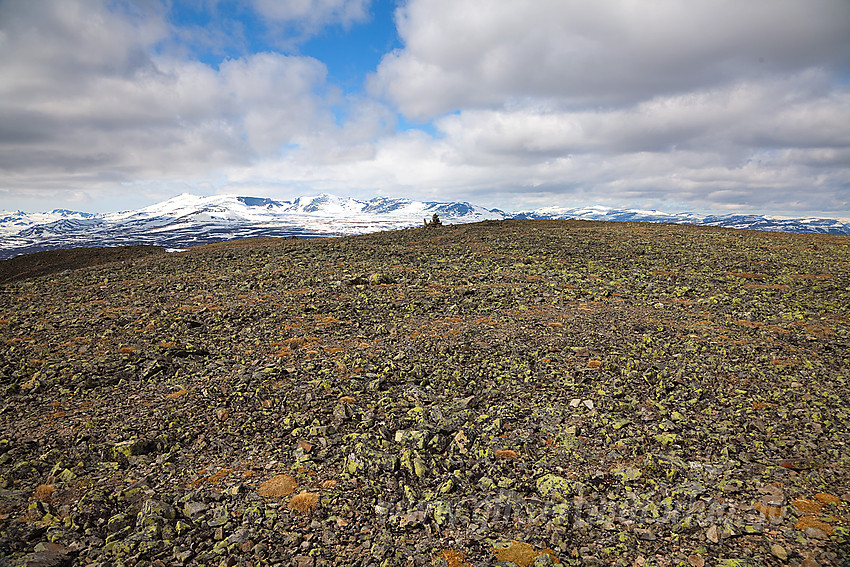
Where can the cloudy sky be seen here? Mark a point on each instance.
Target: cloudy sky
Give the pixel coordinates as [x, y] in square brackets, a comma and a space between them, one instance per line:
[699, 105]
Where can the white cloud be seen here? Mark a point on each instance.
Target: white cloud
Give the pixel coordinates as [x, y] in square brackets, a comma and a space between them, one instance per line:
[610, 52]
[704, 104]
[311, 15]
[722, 104]
[85, 98]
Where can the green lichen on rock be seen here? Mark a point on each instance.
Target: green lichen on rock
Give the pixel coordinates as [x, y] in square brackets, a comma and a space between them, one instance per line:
[558, 488]
[613, 392]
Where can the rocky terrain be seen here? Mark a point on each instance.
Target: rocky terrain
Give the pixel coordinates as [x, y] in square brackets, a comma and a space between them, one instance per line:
[500, 393]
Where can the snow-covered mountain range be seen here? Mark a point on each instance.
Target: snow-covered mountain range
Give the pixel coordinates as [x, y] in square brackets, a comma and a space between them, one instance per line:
[188, 220]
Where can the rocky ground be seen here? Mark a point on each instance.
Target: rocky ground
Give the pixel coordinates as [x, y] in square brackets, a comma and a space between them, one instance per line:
[504, 393]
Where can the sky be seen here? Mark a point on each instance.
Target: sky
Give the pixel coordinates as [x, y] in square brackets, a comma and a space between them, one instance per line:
[709, 106]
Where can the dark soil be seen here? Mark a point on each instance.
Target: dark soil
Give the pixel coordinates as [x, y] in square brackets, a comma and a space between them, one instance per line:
[55, 261]
[503, 393]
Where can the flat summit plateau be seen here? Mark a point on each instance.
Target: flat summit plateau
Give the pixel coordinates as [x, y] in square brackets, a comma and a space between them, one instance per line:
[514, 393]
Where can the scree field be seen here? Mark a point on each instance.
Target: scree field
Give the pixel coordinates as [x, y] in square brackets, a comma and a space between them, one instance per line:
[503, 393]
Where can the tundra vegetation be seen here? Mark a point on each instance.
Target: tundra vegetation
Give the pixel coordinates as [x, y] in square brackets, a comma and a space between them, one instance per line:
[503, 393]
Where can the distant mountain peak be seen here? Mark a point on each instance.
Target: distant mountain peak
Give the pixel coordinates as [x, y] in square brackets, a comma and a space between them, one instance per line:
[188, 219]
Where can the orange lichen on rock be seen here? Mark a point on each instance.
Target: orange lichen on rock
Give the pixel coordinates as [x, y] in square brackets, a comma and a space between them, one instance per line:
[277, 486]
[304, 502]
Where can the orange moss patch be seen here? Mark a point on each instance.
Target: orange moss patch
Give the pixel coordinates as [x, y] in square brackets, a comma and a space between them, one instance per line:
[126, 350]
[746, 275]
[506, 454]
[827, 498]
[763, 405]
[304, 503]
[44, 492]
[757, 325]
[594, 364]
[522, 554]
[278, 486]
[807, 506]
[819, 330]
[329, 484]
[347, 399]
[454, 558]
[812, 522]
[175, 395]
[218, 476]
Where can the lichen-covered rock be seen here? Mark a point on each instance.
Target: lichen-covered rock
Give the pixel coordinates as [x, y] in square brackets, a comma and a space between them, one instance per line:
[558, 488]
[514, 383]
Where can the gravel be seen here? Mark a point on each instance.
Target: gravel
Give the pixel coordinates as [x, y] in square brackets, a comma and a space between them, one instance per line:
[502, 393]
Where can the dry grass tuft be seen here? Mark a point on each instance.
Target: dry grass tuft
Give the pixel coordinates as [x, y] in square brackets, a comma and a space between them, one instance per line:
[506, 454]
[305, 502]
[278, 486]
[175, 395]
[44, 492]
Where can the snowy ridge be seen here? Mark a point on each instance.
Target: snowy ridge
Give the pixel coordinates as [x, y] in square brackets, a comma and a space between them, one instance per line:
[188, 220]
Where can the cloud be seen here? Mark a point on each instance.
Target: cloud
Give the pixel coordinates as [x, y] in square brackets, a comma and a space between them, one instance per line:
[608, 53]
[719, 104]
[710, 105]
[309, 16]
[732, 120]
[86, 98]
